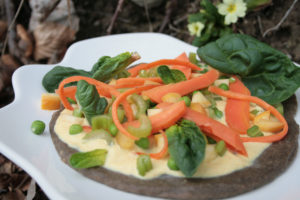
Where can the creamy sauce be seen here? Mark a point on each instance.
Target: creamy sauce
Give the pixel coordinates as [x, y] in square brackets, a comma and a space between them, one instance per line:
[124, 161]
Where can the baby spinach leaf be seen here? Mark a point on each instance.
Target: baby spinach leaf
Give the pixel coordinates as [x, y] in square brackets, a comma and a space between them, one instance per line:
[186, 146]
[88, 159]
[108, 67]
[88, 99]
[52, 79]
[170, 75]
[267, 72]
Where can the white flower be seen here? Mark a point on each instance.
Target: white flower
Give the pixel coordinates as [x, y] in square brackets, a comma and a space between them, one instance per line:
[232, 9]
[196, 28]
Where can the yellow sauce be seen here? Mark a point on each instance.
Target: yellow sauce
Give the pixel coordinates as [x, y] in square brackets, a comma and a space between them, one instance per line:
[124, 161]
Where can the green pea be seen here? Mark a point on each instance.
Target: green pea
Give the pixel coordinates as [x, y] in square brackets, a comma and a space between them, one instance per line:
[77, 113]
[75, 129]
[144, 143]
[254, 132]
[172, 165]
[113, 129]
[144, 164]
[220, 148]
[231, 80]
[224, 86]
[187, 100]
[38, 127]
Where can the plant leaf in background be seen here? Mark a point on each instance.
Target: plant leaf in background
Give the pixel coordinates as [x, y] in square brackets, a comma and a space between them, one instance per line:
[256, 4]
[213, 22]
[186, 146]
[89, 100]
[52, 79]
[82, 160]
[107, 67]
[170, 75]
[267, 72]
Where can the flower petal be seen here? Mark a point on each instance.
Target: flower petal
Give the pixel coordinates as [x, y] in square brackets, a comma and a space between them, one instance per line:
[222, 9]
[230, 18]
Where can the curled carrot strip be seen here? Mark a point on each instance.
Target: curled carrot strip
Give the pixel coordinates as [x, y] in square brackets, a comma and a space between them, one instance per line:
[99, 85]
[117, 102]
[263, 104]
[102, 88]
[164, 150]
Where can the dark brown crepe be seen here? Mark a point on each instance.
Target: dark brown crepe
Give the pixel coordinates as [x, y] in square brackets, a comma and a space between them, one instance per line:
[266, 168]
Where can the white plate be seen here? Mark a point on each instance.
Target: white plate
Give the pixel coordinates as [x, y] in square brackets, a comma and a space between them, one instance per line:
[37, 155]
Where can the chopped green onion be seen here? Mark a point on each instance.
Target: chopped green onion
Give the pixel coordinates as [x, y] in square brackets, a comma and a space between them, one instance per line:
[254, 131]
[254, 112]
[231, 80]
[220, 148]
[144, 164]
[145, 128]
[99, 134]
[77, 113]
[38, 127]
[143, 73]
[172, 165]
[187, 100]
[113, 129]
[71, 101]
[101, 122]
[224, 86]
[279, 107]
[218, 113]
[144, 143]
[75, 129]
[210, 140]
[203, 71]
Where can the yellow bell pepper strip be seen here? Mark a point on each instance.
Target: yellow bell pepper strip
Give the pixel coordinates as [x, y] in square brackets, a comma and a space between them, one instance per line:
[261, 103]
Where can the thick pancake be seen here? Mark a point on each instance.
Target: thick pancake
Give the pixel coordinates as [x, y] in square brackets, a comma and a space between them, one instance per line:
[266, 168]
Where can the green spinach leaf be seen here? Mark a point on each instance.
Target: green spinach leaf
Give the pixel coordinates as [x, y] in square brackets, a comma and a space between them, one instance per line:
[267, 72]
[170, 75]
[52, 79]
[186, 146]
[89, 159]
[108, 67]
[88, 99]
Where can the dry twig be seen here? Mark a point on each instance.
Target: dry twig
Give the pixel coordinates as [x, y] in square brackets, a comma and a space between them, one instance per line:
[282, 19]
[48, 9]
[148, 16]
[115, 16]
[11, 33]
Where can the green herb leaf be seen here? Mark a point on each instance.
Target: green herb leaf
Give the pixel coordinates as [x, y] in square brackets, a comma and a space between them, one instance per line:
[52, 79]
[266, 72]
[108, 67]
[170, 76]
[186, 146]
[88, 159]
[91, 104]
